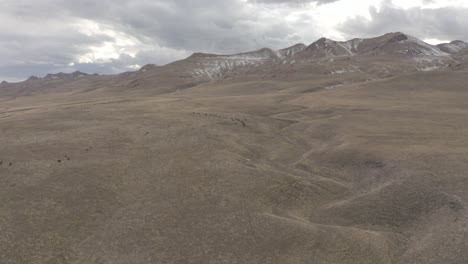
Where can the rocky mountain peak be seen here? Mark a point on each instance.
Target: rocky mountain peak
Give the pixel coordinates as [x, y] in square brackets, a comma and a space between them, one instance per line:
[33, 78]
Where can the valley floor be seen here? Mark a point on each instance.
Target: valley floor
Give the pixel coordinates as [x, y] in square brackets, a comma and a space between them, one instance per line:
[371, 172]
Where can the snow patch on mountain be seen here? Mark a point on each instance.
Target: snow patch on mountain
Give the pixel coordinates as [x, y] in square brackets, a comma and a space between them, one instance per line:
[425, 48]
[291, 51]
[453, 47]
[430, 64]
[216, 66]
[392, 44]
[350, 46]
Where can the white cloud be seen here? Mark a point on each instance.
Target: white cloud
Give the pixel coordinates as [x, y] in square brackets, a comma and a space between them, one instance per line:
[434, 24]
[120, 43]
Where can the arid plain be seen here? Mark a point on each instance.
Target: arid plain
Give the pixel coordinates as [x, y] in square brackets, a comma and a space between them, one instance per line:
[279, 163]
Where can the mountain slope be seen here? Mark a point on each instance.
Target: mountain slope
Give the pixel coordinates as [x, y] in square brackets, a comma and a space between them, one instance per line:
[398, 44]
[453, 47]
[292, 51]
[304, 167]
[397, 50]
[326, 48]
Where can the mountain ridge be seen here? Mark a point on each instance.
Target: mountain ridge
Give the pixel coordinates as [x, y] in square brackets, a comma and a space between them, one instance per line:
[396, 44]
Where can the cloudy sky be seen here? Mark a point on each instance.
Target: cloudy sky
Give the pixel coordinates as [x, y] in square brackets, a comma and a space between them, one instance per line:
[110, 36]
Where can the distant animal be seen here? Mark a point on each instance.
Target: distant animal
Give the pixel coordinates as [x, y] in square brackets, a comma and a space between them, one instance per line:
[11, 163]
[1, 162]
[59, 161]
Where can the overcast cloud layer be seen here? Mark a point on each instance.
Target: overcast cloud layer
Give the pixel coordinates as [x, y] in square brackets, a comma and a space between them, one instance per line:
[110, 36]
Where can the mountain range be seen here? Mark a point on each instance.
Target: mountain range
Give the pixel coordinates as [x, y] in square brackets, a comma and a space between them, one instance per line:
[392, 45]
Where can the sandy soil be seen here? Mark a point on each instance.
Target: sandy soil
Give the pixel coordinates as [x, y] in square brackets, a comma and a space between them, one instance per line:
[280, 169]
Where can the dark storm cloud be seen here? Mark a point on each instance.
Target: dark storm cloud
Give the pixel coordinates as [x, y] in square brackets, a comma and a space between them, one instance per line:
[203, 25]
[293, 1]
[29, 46]
[447, 23]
